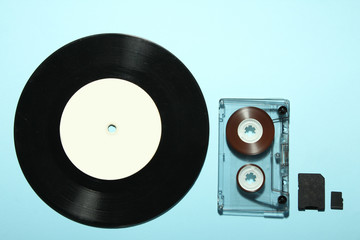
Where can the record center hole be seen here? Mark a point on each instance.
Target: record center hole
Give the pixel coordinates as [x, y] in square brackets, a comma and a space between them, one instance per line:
[250, 178]
[250, 130]
[111, 128]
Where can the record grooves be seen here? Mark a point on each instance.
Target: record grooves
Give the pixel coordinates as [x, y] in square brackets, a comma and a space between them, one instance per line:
[162, 182]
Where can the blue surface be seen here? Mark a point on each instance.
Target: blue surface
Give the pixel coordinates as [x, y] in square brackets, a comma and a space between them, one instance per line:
[305, 51]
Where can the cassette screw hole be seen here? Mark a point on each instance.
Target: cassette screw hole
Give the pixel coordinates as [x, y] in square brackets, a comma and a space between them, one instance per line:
[282, 200]
[250, 178]
[111, 128]
[282, 110]
[250, 130]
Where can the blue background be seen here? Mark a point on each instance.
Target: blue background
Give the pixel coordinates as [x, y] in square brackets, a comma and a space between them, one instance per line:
[306, 51]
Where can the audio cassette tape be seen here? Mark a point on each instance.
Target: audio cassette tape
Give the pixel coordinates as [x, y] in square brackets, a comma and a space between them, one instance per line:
[254, 157]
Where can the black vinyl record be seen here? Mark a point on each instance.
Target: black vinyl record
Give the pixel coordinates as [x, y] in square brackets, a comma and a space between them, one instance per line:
[149, 192]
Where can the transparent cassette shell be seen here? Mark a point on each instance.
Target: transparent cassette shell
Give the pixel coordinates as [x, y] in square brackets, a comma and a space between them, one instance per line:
[272, 200]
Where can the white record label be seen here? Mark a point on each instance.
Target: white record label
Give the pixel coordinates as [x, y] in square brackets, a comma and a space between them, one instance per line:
[110, 129]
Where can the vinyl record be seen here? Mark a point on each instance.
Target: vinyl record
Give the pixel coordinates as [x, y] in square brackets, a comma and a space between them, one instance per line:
[250, 131]
[111, 130]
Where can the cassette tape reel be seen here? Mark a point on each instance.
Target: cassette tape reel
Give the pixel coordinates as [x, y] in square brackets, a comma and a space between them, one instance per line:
[254, 157]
